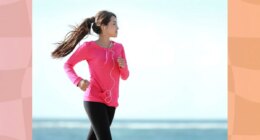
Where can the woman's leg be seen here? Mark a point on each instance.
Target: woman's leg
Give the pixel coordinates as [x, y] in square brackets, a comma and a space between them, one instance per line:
[111, 113]
[91, 135]
[100, 120]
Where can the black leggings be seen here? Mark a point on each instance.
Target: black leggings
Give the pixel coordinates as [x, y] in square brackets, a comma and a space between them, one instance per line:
[101, 117]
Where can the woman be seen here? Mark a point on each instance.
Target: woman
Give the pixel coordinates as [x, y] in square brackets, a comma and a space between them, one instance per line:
[107, 63]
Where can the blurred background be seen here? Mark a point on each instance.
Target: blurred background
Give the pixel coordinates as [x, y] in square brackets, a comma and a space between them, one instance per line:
[177, 57]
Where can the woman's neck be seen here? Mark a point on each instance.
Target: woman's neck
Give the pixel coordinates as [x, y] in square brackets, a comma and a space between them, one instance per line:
[103, 42]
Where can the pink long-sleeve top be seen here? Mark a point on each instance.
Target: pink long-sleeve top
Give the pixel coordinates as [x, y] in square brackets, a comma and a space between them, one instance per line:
[104, 71]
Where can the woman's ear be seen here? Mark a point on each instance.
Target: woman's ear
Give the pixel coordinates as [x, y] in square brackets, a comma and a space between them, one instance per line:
[102, 27]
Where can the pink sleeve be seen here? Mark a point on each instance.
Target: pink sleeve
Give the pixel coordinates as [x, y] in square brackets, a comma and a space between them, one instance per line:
[124, 72]
[79, 55]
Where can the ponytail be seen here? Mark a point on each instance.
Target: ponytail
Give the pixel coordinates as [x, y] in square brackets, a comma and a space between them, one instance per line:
[73, 38]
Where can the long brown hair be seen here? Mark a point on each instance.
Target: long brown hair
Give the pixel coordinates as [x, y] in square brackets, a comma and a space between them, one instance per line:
[72, 38]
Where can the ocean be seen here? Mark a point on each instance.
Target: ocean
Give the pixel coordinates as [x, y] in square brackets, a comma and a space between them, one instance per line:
[77, 129]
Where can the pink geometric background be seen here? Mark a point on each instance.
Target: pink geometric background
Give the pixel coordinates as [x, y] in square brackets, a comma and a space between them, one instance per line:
[16, 70]
[244, 70]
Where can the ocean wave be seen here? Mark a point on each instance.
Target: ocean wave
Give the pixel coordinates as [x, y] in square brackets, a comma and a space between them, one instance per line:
[134, 125]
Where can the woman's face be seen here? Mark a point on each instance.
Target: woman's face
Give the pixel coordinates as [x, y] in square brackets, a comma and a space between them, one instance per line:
[111, 28]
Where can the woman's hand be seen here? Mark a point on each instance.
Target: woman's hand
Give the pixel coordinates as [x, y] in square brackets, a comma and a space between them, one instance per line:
[121, 62]
[83, 84]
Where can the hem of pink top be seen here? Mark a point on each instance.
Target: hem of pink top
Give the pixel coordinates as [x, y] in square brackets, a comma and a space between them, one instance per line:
[100, 101]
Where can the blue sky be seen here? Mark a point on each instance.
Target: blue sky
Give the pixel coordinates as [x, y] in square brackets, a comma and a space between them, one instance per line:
[176, 51]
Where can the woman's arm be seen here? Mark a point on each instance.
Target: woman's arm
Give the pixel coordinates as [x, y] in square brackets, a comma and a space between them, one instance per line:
[79, 55]
[123, 67]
